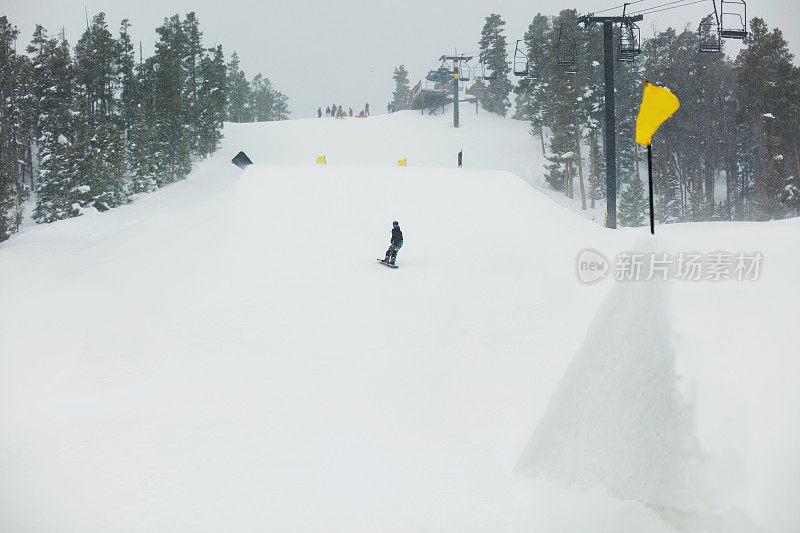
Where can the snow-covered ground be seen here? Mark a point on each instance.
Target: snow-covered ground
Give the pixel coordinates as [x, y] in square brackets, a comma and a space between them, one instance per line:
[487, 141]
[226, 355]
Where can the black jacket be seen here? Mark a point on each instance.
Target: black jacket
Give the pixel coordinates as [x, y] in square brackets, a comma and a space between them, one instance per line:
[397, 236]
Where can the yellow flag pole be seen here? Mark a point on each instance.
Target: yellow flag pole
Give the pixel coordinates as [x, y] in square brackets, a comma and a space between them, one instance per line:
[658, 104]
[650, 176]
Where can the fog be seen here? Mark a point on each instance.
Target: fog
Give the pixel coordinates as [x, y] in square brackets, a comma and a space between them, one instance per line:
[319, 53]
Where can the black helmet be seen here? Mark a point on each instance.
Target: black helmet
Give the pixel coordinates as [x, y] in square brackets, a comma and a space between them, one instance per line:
[395, 223]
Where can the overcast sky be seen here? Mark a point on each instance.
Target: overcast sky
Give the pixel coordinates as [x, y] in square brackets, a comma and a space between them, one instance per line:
[320, 52]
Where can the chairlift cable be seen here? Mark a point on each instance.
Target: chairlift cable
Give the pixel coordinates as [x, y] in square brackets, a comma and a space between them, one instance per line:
[620, 6]
[657, 6]
[663, 7]
[675, 7]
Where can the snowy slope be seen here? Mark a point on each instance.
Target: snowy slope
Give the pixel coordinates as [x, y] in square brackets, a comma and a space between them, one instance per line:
[486, 140]
[225, 354]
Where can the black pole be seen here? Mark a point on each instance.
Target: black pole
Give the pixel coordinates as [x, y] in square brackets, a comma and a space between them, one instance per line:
[455, 93]
[611, 126]
[650, 176]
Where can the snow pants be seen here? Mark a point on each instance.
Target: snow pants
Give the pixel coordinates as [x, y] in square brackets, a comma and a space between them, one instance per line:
[391, 254]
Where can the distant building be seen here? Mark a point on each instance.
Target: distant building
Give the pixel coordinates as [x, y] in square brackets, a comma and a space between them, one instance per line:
[478, 90]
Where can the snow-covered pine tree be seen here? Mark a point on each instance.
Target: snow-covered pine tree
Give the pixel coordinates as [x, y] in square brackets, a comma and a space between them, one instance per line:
[767, 88]
[402, 88]
[130, 87]
[556, 173]
[212, 97]
[522, 101]
[700, 140]
[8, 184]
[790, 197]
[562, 142]
[267, 103]
[192, 66]
[633, 205]
[281, 108]
[238, 93]
[627, 99]
[39, 50]
[79, 176]
[768, 192]
[96, 56]
[173, 144]
[80, 110]
[493, 53]
[561, 99]
[262, 99]
[51, 187]
[592, 105]
[26, 106]
[15, 131]
[531, 91]
[53, 83]
[142, 150]
[671, 196]
[107, 168]
[699, 208]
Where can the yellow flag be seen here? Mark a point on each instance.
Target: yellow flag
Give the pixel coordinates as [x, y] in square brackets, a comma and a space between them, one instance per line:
[401, 162]
[658, 104]
[321, 160]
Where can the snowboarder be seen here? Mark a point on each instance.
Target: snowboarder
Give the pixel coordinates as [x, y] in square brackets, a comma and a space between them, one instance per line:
[319, 112]
[395, 245]
[328, 111]
[366, 109]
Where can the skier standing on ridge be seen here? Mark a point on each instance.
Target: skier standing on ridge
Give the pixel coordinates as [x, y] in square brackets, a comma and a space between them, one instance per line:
[328, 111]
[319, 112]
[396, 244]
[366, 109]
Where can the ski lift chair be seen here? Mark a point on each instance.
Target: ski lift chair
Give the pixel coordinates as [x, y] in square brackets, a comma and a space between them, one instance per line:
[431, 80]
[629, 42]
[733, 23]
[484, 74]
[520, 61]
[565, 51]
[709, 35]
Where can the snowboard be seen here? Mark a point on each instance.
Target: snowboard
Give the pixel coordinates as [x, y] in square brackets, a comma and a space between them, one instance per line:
[384, 263]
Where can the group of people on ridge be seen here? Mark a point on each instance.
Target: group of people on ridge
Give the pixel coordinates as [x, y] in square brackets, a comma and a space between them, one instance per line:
[339, 112]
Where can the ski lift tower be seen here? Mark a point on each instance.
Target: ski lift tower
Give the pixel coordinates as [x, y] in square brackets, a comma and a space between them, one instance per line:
[611, 127]
[456, 69]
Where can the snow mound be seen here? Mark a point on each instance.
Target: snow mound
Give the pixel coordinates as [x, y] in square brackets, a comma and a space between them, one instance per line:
[488, 142]
[232, 354]
[225, 355]
[617, 419]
